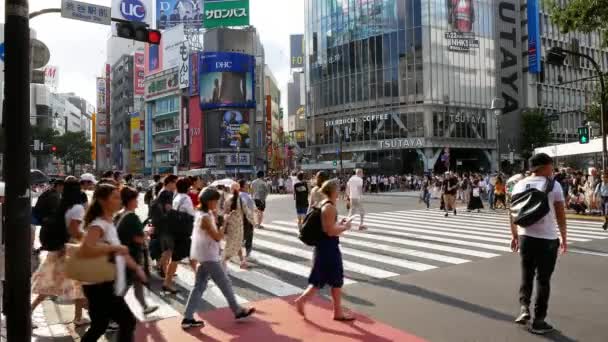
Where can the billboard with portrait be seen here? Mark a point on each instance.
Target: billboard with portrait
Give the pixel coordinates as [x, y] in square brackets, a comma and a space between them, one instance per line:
[170, 13]
[226, 79]
[461, 18]
[234, 129]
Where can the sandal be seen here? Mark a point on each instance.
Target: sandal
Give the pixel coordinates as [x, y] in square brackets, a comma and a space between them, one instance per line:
[245, 313]
[344, 319]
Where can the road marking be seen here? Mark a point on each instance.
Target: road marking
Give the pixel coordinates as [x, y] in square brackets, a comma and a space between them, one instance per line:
[385, 248]
[286, 266]
[420, 244]
[165, 310]
[272, 285]
[440, 223]
[348, 265]
[578, 251]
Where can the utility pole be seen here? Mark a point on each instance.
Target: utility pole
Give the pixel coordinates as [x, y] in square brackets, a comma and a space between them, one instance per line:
[18, 237]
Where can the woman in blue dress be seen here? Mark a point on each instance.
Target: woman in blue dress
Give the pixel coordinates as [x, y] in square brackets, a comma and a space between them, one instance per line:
[327, 261]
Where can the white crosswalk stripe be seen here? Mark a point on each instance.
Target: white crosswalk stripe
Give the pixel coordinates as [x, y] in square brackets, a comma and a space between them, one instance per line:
[396, 243]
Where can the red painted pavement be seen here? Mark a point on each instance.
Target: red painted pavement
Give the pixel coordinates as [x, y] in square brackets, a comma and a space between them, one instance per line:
[275, 320]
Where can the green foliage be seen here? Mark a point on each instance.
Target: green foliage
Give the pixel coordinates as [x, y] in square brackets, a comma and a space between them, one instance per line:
[535, 131]
[581, 15]
[73, 149]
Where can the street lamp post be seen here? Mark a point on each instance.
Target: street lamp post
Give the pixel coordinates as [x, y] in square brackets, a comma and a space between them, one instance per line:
[498, 104]
[556, 56]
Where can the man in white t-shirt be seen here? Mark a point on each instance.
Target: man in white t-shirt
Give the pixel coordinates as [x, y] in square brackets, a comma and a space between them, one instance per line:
[538, 244]
[354, 192]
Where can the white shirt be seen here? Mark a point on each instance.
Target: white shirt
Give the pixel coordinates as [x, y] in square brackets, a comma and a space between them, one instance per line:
[75, 213]
[183, 203]
[203, 247]
[281, 182]
[374, 179]
[110, 236]
[355, 187]
[547, 227]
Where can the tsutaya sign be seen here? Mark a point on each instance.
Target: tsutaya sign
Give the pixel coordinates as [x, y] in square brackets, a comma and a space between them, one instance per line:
[355, 119]
[401, 143]
[468, 118]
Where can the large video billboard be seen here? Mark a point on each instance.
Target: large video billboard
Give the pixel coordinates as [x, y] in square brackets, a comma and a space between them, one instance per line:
[170, 13]
[296, 46]
[228, 129]
[226, 80]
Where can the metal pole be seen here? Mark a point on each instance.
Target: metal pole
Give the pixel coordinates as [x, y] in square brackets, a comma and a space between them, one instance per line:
[341, 165]
[498, 142]
[18, 237]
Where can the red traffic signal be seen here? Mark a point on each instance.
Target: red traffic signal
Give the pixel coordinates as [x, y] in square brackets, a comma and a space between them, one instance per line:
[53, 149]
[137, 31]
[154, 37]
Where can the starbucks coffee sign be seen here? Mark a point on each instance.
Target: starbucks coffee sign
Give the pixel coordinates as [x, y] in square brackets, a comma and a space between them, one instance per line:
[400, 143]
[355, 119]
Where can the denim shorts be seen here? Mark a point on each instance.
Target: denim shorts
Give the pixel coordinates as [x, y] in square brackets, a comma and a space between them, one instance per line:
[301, 211]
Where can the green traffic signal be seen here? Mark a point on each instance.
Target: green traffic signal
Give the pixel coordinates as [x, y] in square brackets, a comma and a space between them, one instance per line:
[583, 135]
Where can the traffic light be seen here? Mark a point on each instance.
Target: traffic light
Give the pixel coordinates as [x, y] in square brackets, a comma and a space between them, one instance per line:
[53, 149]
[137, 31]
[583, 135]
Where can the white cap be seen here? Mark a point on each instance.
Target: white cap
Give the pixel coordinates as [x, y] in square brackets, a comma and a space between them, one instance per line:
[87, 177]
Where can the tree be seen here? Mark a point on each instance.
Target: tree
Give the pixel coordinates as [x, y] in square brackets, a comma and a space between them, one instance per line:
[45, 135]
[581, 15]
[535, 131]
[73, 149]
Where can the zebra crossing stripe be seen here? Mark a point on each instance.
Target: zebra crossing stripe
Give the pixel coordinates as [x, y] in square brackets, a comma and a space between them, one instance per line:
[434, 231]
[285, 265]
[384, 248]
[439, 225]
[576, 224]
[414, 243]
[364, 255]
[348, 265]
[165, 310]
[272, 285]
[574, 233]
[213, 295]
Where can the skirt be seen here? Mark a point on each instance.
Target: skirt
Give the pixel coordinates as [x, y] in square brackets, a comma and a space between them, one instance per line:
[51, 280]
[475, 203]
[327, 266]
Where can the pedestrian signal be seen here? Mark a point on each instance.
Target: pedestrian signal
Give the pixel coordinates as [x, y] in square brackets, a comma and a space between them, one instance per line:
[583, 135]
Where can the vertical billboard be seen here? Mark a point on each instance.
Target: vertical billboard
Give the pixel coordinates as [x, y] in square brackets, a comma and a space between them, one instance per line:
[153, 59]
[171, 43]
[226, 79]
[222, 13]
[101, 105]
[194, 74]
[133, 10]
[139, 73]
[296, 46]
[170, 13]
[94, 137]
[533, 37]
[51, 78]
[461, 17]
[196, 137]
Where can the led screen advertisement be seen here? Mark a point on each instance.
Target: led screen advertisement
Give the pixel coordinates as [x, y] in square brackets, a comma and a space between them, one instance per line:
[234, 129]
[226, 80]
[354, 20]
[170, 13]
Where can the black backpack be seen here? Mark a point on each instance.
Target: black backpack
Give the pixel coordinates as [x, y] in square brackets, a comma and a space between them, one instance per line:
[180, 223]
[312, 228]
[53, 233]
[531, 206]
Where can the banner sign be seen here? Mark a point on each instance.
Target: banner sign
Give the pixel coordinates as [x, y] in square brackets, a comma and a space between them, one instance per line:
[226, 79]
[461, 17]
[161, 83]
[139, 73]
[401, 143]
[184, 65]
[86, 12]
[355, 119]
[133, 10]
[136, 134]
[94, 137]
[241, 159]
[296, 46]
[171, 42]
[222, 13]
[170, 13]
[194, 87]
[533, 38]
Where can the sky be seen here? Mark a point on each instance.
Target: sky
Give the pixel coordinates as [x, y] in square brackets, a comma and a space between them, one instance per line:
[78, 48]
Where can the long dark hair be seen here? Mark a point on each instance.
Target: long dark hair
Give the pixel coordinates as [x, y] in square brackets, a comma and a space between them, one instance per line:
[71, 196]
[234, 200]
[102, 192]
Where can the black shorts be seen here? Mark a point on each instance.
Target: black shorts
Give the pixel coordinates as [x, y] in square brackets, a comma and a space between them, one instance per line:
[167, 243]
[261, 205]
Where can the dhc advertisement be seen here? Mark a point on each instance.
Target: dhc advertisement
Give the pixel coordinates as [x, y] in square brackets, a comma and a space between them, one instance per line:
[226, 80]
[533, 38]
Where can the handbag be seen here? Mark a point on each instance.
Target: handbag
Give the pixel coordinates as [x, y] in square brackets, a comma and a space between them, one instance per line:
[88, 270]
[180, 223]
[531, 206]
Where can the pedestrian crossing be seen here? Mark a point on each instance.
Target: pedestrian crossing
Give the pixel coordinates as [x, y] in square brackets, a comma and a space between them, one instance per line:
[395, 243]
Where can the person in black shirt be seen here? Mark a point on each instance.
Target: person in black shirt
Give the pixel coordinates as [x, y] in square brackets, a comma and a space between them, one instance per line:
[300, 194]
[450, 186]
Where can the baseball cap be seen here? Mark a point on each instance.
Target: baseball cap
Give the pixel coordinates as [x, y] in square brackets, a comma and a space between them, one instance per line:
[87, 177]
[539, 160]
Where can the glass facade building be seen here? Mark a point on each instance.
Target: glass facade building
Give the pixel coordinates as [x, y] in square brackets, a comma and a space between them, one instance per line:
[392, 83]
